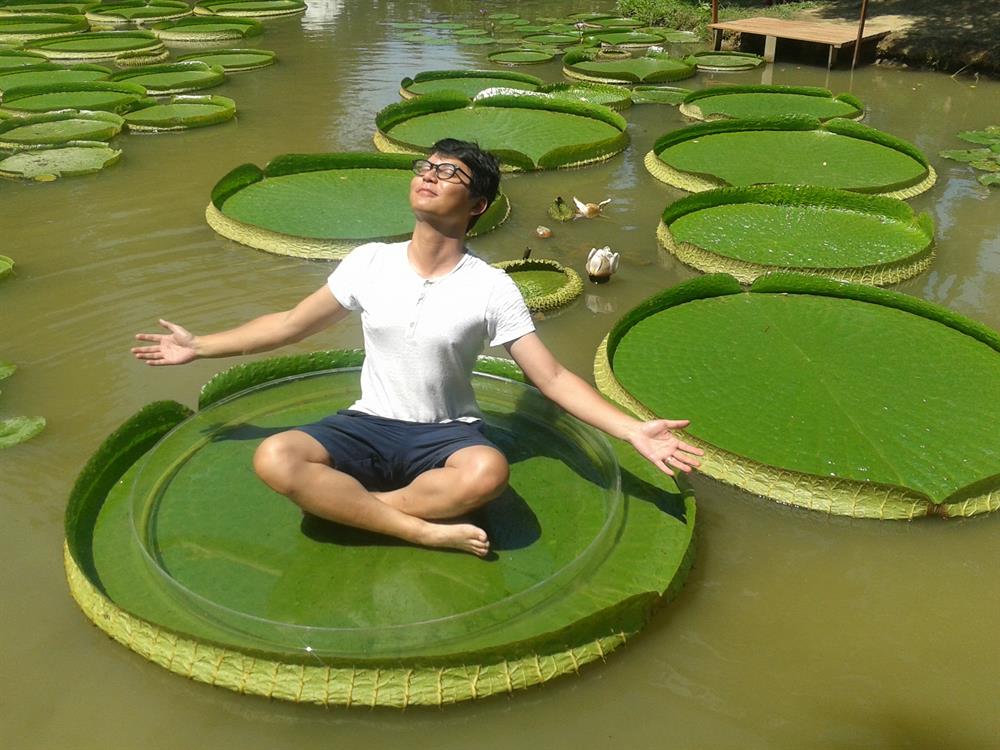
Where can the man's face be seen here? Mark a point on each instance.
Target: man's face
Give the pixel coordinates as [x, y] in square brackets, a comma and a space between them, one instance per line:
[433, 194]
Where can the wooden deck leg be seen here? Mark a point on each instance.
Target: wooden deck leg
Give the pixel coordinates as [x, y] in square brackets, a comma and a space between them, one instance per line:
[832, 60]
[717, 39]
[770, 42]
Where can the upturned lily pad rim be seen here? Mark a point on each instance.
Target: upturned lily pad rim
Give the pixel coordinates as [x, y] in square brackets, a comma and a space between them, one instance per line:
[278, 243]
[541, 56]
[623, 100]
[742, 60]
[68, 25]
[6, 269]
[186, 29]
[570, 289]
[207, 75]
[130, 93]
[444, 75]
[48, 47]
[51, 67]
[887, 209]
[677, 70]
[815, 91]
[833, 495]
[116, 122]
[219, 8]
[222, 110]
[251, 671]
[105, 13]
[113, 155]
[269, 58]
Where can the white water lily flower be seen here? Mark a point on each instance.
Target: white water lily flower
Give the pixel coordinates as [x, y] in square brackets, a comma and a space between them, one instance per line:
[588, 210]
[601, 263]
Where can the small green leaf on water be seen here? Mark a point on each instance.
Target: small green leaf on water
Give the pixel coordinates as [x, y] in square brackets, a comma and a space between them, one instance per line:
[986, 165]
[966, 154]
[987, 137]
[6, 266]
[18, 429]
[990, 178]
[6, 369]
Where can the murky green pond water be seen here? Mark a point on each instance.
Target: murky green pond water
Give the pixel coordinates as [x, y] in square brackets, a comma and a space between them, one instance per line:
[794, 630]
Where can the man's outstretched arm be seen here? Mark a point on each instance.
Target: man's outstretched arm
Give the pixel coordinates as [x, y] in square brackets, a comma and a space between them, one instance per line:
[317, 311]
[654, 440]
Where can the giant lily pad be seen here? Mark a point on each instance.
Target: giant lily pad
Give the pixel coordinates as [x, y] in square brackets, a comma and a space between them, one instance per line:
[615, 97]
[65, 160]
[174, 78]
[233, 60]
[587, 541]
[203, 29]
[67, 7]
[546, 285]
[95, 95]
[755, 230]
[100, 45]
[324, 205]
[522, 56]
[181, 112]
[50, 128]
[820, 394]
[656, 67]
[25, 28]
[724, 62]
[627, 39]
[47, 73]
[796, 150]
[525, 132]
[131, 11]
[467, 82]
[11, 59]
[769, 101]
[659, 94]
[250, 8]
[14, 430]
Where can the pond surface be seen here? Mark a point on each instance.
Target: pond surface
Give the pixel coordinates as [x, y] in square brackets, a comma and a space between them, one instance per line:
[794, 630]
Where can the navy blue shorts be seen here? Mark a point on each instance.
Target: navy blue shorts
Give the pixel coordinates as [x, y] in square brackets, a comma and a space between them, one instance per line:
[386, 454]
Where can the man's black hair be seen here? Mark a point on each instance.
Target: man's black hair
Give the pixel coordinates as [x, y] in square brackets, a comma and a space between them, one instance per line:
[483, 166]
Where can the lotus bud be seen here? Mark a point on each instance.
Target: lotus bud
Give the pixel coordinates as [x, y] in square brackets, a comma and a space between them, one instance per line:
[543, 232]
[601, 263]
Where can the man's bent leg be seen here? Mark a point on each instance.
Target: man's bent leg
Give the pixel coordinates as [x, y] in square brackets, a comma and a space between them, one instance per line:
[469, 479]
[296, 465]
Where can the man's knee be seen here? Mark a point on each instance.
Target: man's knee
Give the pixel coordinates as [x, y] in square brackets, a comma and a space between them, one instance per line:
[279, 459]
[485, 476]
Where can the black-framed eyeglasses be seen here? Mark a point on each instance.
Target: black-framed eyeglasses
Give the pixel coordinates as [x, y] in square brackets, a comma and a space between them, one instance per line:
[444, 170]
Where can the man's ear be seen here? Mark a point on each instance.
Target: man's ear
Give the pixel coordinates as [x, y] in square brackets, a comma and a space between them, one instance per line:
[479, 207]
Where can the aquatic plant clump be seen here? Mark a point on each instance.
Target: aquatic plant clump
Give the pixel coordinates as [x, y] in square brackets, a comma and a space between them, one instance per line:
[467, 82]
[58, 127]
[725, 62]
[742, 102]
[545, 284]
[656, 67]
[323, 205]
[180, 589]
[788, 392]
[204, 29]
[48, 73]
[26, 28]
[985, 159]
[755, 230]
[792, 150]
[233, 60]
[250, 8]
[525, 132]
[94, 95]
[48, 163]
[174, 78]
[181, 112]
[101, 45]
[132, 11]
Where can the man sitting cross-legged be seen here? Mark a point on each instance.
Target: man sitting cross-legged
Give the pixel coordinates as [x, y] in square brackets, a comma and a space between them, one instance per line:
[411, 451]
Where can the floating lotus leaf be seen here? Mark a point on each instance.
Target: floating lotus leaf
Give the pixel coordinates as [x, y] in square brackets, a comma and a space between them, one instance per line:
[843, 398]
[553, 40]
[58, 127]
[180, 113]
[25, 28]
[659, 94]
[6, 368]
[768, 101]
[795, 150]
[615, 97]
[174, 78]
[16, 430]
[521, 56]
[324, 205]
[755, 230]
[100, 45]
[651, 68]
[67, 160]
[546, 285]
[476, 41]
[130, 11]
[202, 29]
[6, 268]
[471, 32]
[525, 132]
[625, 38]
[11, 59]
[467, 82]
[234, 60]
[95, 95]
[449, 25]
[967, 155]
[987, 137]
[48, 73]
[588, 541]
[250, 8]
[990, 179]
[724, 62]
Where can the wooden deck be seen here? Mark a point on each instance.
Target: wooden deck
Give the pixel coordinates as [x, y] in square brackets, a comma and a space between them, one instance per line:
[834, 35]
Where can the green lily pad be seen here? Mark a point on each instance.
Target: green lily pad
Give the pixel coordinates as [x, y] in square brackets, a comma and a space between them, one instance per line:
[570, 581]
[967, 154]
[11, 59]
[467, 82]
[988, 137]
[552, 40]
[793, 150]
[820, 394]
[659, 94]
[471, 32]
[502, 16]
[323, 206]
[233, 60]
[651, 68]
[6, 368]
[99, 45]
[131, 11]
[51, 128]
[755, 230]
[250, 8]
[449, 25]
[181, 112]
[546, 285]
[95, 95]
[989, 179]
[725, 61]
[204, 29]
[48, 73]
[14, 430]
[6, 269]
[66, 160]
[615, 97]
[29, 8]
[521, 56]
[476, 41]
[174, 78]
[769, 101]
[615, 22]
[24, 28]
[525, 132]
[625, 38]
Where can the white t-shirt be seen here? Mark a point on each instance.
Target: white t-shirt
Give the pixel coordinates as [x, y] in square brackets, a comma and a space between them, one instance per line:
[422, 336]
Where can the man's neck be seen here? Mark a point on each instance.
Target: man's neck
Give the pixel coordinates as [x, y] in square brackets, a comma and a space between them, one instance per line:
[433, 254]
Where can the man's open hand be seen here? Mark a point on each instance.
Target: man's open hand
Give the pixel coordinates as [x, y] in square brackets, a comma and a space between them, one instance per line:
[175, 348]
[655, 441]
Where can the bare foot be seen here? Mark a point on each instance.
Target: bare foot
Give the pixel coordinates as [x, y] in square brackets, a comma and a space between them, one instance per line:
[460, 536]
